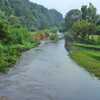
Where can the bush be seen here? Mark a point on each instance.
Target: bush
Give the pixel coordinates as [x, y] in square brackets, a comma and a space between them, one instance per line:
[19, 35]
[14, 40]
[83, 29]
[53, 36]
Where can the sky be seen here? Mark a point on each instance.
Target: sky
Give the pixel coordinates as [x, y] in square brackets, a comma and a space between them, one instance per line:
[64, 6]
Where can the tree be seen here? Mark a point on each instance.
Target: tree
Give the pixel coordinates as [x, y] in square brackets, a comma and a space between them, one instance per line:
[29, 14]
[4, 34]
[84, 12]
[2, 15]
[83, 29]
[98, 30]
[71, 17]
[13, 20]
[91, 13]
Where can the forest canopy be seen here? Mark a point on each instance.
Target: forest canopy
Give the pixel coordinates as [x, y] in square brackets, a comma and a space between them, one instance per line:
[29, 14]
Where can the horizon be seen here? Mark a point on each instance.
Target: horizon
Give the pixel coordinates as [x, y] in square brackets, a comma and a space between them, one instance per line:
[64, 6]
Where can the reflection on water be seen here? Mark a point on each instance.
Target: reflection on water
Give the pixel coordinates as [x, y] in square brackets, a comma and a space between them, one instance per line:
[47, 73]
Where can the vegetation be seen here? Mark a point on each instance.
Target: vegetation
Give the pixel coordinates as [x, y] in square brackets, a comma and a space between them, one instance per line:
[29, 14]
[12, 42]
[83, 37]
[89, 59]
[22, 28]
[71, 17]
[50, 34]
[83, 30]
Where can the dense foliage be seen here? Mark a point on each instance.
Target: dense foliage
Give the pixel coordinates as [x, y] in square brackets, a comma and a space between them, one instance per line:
[13, 41]
[29, 14]
[83, 37]
[71, 17]
[82, 29]
[84, 24]
[18, 20]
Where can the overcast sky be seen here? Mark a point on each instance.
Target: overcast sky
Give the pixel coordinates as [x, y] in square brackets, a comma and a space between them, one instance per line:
[65, 5]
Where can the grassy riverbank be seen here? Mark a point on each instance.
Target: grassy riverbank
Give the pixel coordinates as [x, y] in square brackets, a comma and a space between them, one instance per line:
[9, 54]
[17, 40]
[86, 57]
[13, 40]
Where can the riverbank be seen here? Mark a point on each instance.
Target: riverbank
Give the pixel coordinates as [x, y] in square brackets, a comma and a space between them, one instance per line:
[10, 54]
[86, 57]
[48, 72]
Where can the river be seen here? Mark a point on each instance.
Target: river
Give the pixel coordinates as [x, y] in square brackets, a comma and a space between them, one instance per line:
[48, 73]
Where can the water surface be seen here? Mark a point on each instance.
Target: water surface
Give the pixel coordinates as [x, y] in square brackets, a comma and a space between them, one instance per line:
[48, 73]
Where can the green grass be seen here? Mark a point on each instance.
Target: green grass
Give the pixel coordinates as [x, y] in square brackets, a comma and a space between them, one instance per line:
[88, 46]
[89, 59]
[8, 57]
[10, 54]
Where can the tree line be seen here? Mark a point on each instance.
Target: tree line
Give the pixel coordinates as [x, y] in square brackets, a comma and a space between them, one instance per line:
[30, 15]
[83, 23]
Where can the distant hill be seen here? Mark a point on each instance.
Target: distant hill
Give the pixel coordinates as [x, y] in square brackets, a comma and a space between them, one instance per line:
[29, 14]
